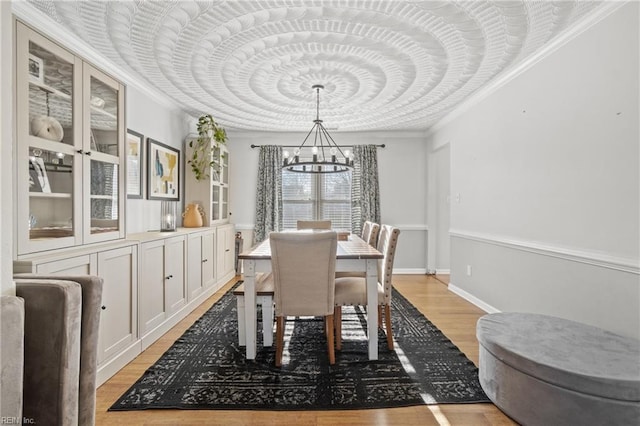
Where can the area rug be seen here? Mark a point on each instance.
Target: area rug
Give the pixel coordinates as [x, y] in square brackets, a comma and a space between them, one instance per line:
[206, 368]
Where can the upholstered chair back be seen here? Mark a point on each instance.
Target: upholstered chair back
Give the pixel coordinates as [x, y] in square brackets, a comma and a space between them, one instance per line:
[387, 245]
[314, 224]
[370, 231]
[303, 266]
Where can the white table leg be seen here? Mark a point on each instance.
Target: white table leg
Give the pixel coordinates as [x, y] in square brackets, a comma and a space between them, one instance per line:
[267, 320]
[372, 307]
[250, 307]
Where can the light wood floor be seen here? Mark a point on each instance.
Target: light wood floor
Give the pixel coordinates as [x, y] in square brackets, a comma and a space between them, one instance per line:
[450, 313]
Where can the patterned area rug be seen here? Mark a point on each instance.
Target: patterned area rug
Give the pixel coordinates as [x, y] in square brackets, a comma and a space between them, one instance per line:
[206, 368]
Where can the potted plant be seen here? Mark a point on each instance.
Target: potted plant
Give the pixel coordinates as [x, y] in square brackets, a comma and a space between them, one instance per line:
[210, 136]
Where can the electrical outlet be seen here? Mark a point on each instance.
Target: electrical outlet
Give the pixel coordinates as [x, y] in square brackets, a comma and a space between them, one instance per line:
[468, 270]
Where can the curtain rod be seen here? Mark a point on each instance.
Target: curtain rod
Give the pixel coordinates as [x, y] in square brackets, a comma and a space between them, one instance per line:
[297, 146]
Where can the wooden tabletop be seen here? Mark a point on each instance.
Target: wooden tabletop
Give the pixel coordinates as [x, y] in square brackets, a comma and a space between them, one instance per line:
[352, 248]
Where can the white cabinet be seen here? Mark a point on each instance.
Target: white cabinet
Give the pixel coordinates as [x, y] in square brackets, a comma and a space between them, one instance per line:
[212, 193]
[175, 294]
[117, 265]
[225, 255]
[69, 139]
[118, 323]
[162, 289]
[200, 262]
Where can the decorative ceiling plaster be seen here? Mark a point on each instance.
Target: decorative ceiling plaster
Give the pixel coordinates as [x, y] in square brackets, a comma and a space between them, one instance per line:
[385, 65]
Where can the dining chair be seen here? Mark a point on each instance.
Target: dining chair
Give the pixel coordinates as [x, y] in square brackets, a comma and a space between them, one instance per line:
[303, 267]
[370, 231]
[369, 234]
[314, 224]
[353, 290]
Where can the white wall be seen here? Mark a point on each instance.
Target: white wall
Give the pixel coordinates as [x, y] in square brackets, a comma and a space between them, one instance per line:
[547, 173]
[403, 180]
[157, 121]
[6, 149]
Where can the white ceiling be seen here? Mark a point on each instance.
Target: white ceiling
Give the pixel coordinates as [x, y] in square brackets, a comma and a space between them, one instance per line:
[384, 64]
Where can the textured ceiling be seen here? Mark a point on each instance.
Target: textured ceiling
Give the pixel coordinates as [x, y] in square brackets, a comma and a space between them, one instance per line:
[251, 64]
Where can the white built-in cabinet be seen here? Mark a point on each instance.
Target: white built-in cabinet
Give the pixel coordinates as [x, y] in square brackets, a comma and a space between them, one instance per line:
[69, 198]
[212, 194]
[178, 271]
[226, 241]
[69, 139]
[200, 262]
[117, 265]
[162, 284]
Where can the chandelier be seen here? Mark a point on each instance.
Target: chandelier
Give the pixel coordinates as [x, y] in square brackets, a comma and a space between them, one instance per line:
[326, 155]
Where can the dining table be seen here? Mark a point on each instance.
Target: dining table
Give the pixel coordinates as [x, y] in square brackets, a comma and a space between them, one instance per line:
[352, 254]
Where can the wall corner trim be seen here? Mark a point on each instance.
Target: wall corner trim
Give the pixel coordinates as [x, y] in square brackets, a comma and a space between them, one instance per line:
[582, 256]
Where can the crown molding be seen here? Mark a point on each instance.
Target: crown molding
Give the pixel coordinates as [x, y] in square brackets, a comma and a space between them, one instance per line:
[33, 17]
[588, 21]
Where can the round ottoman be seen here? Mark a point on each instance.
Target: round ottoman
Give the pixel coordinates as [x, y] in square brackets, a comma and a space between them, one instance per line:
[543, 370]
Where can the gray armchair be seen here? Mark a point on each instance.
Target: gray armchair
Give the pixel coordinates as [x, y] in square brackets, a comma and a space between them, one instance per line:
[61, 326]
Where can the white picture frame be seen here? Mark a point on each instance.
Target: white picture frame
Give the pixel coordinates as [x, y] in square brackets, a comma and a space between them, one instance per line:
[36, 69]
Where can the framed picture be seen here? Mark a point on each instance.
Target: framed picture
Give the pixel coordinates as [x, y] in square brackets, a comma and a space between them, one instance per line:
[163, 171]
[36, 69]
[38, 180]
[135, 142]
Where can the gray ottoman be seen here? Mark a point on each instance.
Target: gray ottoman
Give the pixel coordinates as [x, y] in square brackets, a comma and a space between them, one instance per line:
[542, 370]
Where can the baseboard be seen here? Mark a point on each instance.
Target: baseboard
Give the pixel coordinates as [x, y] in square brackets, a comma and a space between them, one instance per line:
[111, 367]
[472, 299]
[410, 271]
[443, 271]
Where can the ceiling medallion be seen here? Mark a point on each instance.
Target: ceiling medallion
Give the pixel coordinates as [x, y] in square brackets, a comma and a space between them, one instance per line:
[324, 151]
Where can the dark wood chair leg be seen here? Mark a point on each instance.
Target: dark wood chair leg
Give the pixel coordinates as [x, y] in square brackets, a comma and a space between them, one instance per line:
[379, 316]
[328, 325]
[337, 320]
[387, 318]
[279, 340]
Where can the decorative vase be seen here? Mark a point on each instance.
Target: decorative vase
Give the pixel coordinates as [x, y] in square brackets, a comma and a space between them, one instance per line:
[193, 216]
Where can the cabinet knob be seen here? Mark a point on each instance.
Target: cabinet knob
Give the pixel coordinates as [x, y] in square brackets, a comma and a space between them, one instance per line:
[103, 307]
[169, 277]
[87, 152]
[79, 151]
[205, 260]
[227, 249]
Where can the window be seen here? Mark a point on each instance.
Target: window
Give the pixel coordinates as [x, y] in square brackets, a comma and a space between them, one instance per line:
[308, 196]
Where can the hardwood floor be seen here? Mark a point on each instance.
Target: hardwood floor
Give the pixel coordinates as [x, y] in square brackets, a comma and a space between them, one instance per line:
[452, 314]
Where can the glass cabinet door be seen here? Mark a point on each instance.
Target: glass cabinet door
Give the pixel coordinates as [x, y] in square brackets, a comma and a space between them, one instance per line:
[69, 138]
[103, 142]
[48, 135]
[220, 185]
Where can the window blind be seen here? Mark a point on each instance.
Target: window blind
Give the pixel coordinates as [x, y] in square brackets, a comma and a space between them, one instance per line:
[316, 197]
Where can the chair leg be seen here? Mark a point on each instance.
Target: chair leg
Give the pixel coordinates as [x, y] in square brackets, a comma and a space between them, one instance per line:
[328, 325]
[279, 340]
[379, 316]
[387, 319]
[337, 321]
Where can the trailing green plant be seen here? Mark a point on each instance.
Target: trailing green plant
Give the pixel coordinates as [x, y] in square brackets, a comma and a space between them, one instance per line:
[210, 136]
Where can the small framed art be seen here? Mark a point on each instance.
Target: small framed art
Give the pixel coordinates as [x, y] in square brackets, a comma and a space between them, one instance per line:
[135, 144]
[163, 171]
